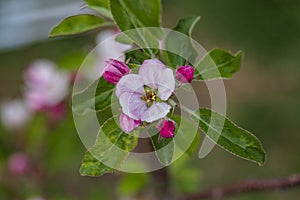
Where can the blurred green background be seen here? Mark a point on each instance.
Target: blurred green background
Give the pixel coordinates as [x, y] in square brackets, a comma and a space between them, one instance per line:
[263, 97]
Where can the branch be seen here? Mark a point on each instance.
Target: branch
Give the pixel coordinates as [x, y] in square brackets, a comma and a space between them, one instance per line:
[246, 186]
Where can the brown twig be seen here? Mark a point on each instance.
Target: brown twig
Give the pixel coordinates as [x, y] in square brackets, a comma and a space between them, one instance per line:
[161, 182]
[246, 186]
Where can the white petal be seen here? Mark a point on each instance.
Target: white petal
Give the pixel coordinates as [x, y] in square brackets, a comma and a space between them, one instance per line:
[132, 105]
[108, 47]
[15, 114]
[156, 111]
[149, 70]
[131, 83]
[58, 89]
[165, 84]
[40, 73]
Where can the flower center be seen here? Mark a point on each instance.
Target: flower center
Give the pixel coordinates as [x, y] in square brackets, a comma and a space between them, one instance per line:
[150, 96]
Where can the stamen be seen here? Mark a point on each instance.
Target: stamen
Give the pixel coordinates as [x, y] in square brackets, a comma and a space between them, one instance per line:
[150, 96]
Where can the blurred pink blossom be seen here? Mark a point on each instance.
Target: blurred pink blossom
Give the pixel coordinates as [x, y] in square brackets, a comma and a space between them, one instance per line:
[18, 164]
[46, 86]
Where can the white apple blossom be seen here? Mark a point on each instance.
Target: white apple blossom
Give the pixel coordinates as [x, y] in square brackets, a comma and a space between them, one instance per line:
[15, 114]
[143, 96]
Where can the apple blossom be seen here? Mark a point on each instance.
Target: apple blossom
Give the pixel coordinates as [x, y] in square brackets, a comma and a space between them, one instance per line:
[143, 96]
[15, 114]
[46, 86]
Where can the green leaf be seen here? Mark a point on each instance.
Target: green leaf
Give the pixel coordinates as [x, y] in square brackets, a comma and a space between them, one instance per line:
[186, 25]
[136, 56]
[90, 166]
[182, 45]
[96, 97]
[123, 38]
[218, 63]
[101, 6]
[131, 14]
[78, 24]
[186, 140]
[134, 14]
[229, 136]
[164, 147]
[112, 146]
[189, 139]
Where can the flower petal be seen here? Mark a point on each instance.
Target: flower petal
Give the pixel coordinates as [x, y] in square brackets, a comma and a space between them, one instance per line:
[131, 83]
[128, 124]
[165, 84]
[157, 111]
[132, 105]
[149, 70]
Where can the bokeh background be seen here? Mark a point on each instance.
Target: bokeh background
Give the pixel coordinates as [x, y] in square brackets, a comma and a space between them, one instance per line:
[263, 97]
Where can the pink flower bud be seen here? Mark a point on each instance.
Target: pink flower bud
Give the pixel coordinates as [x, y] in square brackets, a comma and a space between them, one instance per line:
[167, 128]
[128, 124]
[114, 71]
[18, 164]
[185, 74]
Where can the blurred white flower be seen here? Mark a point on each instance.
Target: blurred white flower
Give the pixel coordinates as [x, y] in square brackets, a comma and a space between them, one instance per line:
[46, 86]
[107, 48]
[110, 48]
[15, 114]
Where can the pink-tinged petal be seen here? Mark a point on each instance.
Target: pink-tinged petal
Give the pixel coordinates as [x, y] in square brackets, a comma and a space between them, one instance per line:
[36, 100]
[114, 70]
[131, 83]
[185, 74]
[166, 128]
[153, 61]
[132, 105]
[128, 124]
[150, 70]
[166, 84]
[157, 111]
